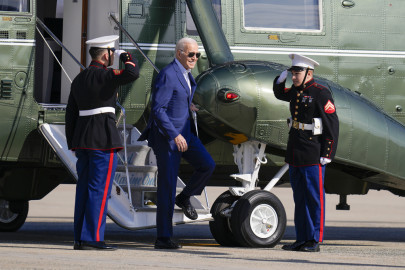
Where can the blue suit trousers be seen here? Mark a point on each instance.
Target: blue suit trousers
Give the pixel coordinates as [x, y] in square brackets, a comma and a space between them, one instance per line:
[307, 183]
[95, 169]
[168, 161]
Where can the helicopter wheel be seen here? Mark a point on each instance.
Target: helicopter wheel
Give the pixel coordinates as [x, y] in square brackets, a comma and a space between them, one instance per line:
[258, 219]
[12, 215]
[220, 227]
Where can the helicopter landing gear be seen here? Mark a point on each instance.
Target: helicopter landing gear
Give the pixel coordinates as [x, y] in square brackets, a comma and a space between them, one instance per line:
[247, 216]
[220, 227]
[12, 215]
[258, 219]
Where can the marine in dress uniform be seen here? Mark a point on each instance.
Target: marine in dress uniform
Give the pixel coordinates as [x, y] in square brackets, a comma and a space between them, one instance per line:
[312, 143]
[92, 133]
[172, 136]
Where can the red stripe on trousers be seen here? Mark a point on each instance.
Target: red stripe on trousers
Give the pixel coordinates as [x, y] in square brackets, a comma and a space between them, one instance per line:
[107, 184]
[321, 201]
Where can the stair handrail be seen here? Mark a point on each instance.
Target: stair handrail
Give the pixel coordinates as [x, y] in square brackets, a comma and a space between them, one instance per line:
[125, 160]
[56, 39]
[112, 16]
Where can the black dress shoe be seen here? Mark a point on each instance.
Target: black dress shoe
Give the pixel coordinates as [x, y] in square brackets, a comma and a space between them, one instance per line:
[310, 246]
[77, 245]
[296, 246]
[166, 244]
[96, 245]
[188, 209]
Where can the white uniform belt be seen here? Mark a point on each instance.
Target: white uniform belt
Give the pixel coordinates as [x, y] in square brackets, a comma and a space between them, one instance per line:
[97, 111]
[298, 125]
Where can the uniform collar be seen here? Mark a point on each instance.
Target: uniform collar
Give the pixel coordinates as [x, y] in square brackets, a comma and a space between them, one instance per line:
[306, 85]
[95, 63]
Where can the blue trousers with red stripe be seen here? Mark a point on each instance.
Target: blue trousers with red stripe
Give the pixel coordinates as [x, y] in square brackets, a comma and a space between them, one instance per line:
[95, 169]
[307, 183]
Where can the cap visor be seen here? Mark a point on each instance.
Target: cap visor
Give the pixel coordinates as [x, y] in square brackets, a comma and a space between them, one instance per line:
[296, 68]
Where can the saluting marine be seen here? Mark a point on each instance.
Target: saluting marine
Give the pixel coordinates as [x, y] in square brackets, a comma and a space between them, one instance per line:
[312, 142]
[92, 133]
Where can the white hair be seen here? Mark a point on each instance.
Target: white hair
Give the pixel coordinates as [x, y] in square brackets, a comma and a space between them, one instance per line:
[186, 40]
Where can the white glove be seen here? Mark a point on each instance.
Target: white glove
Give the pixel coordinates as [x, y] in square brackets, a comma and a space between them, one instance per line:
[282, 77]
[118, 53]
[325, 160]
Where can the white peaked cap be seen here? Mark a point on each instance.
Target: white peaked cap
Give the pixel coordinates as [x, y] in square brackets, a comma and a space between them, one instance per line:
[302, 61]
[103, 42]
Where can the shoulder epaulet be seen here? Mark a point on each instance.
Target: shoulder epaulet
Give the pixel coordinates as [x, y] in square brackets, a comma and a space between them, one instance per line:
[286, 90]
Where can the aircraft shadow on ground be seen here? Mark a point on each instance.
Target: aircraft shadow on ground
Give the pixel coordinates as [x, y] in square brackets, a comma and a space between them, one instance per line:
[188, 234]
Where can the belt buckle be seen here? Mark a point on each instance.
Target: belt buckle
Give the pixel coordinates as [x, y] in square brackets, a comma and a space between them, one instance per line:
[296, 124]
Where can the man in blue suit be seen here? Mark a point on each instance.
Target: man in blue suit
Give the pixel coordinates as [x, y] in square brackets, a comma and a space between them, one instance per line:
[172, 135]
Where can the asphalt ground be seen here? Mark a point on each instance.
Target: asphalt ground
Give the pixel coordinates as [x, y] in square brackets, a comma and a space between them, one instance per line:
[369, 236]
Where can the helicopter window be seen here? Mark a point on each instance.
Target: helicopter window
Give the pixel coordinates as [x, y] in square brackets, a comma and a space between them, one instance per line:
[190, 26]
[282, 15]
[15, 5]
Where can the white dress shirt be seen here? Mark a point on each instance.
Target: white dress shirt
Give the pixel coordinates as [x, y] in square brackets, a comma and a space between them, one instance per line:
[185, 73]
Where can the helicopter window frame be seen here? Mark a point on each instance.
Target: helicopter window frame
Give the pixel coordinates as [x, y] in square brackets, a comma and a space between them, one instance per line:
[319, 22]
[28, 6]
[191, 29]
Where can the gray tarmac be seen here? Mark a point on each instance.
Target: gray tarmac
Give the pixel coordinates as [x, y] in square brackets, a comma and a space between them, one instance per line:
[369, 236]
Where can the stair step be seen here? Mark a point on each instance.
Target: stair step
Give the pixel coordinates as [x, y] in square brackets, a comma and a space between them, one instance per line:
[141, 188]
[137, 148]
[132, 135]
[138, 155]
[145, 188]
[176, 210]
[141, 169]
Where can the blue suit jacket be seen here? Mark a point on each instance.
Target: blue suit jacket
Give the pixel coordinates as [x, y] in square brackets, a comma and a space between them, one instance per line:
[171, 100]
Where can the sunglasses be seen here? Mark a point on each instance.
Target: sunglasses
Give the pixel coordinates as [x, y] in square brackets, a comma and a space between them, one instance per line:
[191, 54]
[112, 49]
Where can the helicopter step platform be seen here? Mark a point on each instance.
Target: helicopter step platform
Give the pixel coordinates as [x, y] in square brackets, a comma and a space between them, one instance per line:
[132, 204]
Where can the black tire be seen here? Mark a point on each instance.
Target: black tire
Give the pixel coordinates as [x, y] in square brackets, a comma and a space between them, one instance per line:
[220, 226]
[12, 215]
[266, 233]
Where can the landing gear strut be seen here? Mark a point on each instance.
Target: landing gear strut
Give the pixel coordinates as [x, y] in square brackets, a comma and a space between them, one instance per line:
[342, 203]
[247, 216]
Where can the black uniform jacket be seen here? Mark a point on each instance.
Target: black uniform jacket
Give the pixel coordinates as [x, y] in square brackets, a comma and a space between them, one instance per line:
[96, 87]
[313, 101]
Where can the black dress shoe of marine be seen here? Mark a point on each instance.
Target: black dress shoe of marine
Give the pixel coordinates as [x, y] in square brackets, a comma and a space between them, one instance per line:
[166, 244]
[296, 246]
[77, 245]
[96, 245]
[310, 246]
[188, 209]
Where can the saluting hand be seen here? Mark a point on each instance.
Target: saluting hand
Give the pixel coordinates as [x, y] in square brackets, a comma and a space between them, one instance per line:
[118, 52]
[181, 143]
[282, 77]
